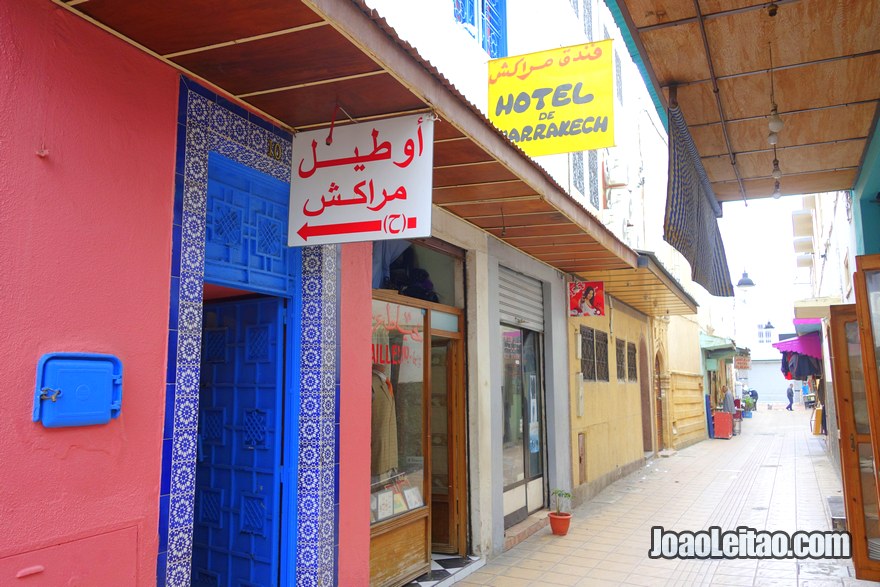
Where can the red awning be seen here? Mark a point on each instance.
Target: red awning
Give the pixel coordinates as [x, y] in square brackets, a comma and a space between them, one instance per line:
[808, 344]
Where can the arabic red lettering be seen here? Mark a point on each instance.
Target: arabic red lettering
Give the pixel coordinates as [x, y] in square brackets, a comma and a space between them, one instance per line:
[309, 173]
[399, 194]
[410, 152]
[380, 152]
[337, 200]
[506, 72]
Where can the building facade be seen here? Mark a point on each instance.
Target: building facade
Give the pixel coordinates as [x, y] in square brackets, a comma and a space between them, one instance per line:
[150, 162]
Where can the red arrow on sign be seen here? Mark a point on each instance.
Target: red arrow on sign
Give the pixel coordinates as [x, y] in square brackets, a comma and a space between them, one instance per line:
[342, 228]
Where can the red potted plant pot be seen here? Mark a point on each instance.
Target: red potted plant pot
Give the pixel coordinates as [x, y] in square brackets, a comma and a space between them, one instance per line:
[560, 520]
[559, 523]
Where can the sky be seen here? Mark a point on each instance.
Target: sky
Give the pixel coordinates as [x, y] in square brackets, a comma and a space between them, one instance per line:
[758, 239]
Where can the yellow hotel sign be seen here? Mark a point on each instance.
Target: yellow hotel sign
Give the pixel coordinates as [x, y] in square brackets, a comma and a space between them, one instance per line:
[555, 101]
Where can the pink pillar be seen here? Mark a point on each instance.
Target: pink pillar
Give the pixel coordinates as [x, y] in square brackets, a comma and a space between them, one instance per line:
[355, 397]
[87, 141]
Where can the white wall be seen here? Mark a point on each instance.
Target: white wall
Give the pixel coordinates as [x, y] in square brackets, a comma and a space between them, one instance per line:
[766, 377]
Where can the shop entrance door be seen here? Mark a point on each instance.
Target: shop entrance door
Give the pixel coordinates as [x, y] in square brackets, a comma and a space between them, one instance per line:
[447, 446]
[658, 394]
[645, 393]
[523, 425]
[238, 485]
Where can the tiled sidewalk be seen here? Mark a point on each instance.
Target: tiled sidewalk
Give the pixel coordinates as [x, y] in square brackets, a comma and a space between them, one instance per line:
[776, 475]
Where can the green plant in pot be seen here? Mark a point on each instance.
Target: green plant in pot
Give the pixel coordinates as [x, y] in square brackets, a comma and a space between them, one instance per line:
[559, 518]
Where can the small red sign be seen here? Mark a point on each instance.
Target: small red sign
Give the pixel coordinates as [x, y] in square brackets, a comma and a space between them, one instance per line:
[586, 298]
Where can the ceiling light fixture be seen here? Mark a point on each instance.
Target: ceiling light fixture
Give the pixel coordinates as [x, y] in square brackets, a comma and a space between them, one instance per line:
[774, 121]
[774, 124]
[777, 173]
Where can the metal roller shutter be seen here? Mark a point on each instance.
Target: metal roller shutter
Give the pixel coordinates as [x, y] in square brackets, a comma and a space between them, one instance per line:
[521, 300]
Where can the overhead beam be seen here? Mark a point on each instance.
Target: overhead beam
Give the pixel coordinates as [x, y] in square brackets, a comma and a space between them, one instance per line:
[775, 69]
[788, 112]
[244, 40]
[788, 148]
[320, 82]
[711, 15]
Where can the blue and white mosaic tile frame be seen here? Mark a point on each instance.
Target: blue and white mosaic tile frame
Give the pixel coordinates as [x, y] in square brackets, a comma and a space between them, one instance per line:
[207, 123]
[317, 488]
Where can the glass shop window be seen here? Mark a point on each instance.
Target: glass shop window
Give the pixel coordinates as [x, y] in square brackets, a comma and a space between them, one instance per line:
[397, 462]
[432, 270]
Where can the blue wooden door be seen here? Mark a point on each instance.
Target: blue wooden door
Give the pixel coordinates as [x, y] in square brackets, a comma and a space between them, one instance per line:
[237, 523]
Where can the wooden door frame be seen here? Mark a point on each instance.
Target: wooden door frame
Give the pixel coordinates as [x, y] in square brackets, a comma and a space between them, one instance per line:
[850, 439]
[869, 357]
[456, 445]
[459, 399]
[658, 401]
[645, 393]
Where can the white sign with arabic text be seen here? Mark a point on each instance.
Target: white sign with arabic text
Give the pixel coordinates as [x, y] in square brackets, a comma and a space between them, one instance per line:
[372, 182]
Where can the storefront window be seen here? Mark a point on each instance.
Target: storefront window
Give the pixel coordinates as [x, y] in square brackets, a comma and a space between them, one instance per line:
[397, 462]
[420, 271]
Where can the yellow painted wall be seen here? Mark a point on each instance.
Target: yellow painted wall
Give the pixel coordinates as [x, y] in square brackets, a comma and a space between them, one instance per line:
[688, 409]
[612, 416]
[686, 394]
[683, 344]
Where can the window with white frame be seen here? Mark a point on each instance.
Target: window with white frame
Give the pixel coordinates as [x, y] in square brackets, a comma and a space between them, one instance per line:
[577, 171]
[618, 76]
[486, 21]
[588, 19]
[593, 177]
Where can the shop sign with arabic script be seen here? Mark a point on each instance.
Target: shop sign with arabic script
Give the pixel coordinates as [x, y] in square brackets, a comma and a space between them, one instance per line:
[555, 101]
[371, 182]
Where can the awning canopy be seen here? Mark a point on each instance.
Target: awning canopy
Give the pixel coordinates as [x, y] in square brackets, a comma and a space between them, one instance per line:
[717, 347]
[295, 60]
[648, 288]
[808, 344]
[807, 325]
[690, 223]
[825, 80]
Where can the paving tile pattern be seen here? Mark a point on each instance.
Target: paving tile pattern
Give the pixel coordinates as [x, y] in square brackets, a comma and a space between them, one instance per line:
[774, 476]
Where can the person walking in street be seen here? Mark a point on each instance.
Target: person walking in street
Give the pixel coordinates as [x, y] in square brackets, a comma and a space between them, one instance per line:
[790, 394]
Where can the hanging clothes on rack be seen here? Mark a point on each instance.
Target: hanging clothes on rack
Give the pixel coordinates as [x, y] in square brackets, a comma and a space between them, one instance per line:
[798, 366]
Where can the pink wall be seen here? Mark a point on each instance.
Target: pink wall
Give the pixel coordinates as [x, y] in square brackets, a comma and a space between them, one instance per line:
[354, 446]
[86, 239]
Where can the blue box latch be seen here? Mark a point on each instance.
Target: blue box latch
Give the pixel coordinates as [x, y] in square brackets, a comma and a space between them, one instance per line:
[77, 389]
